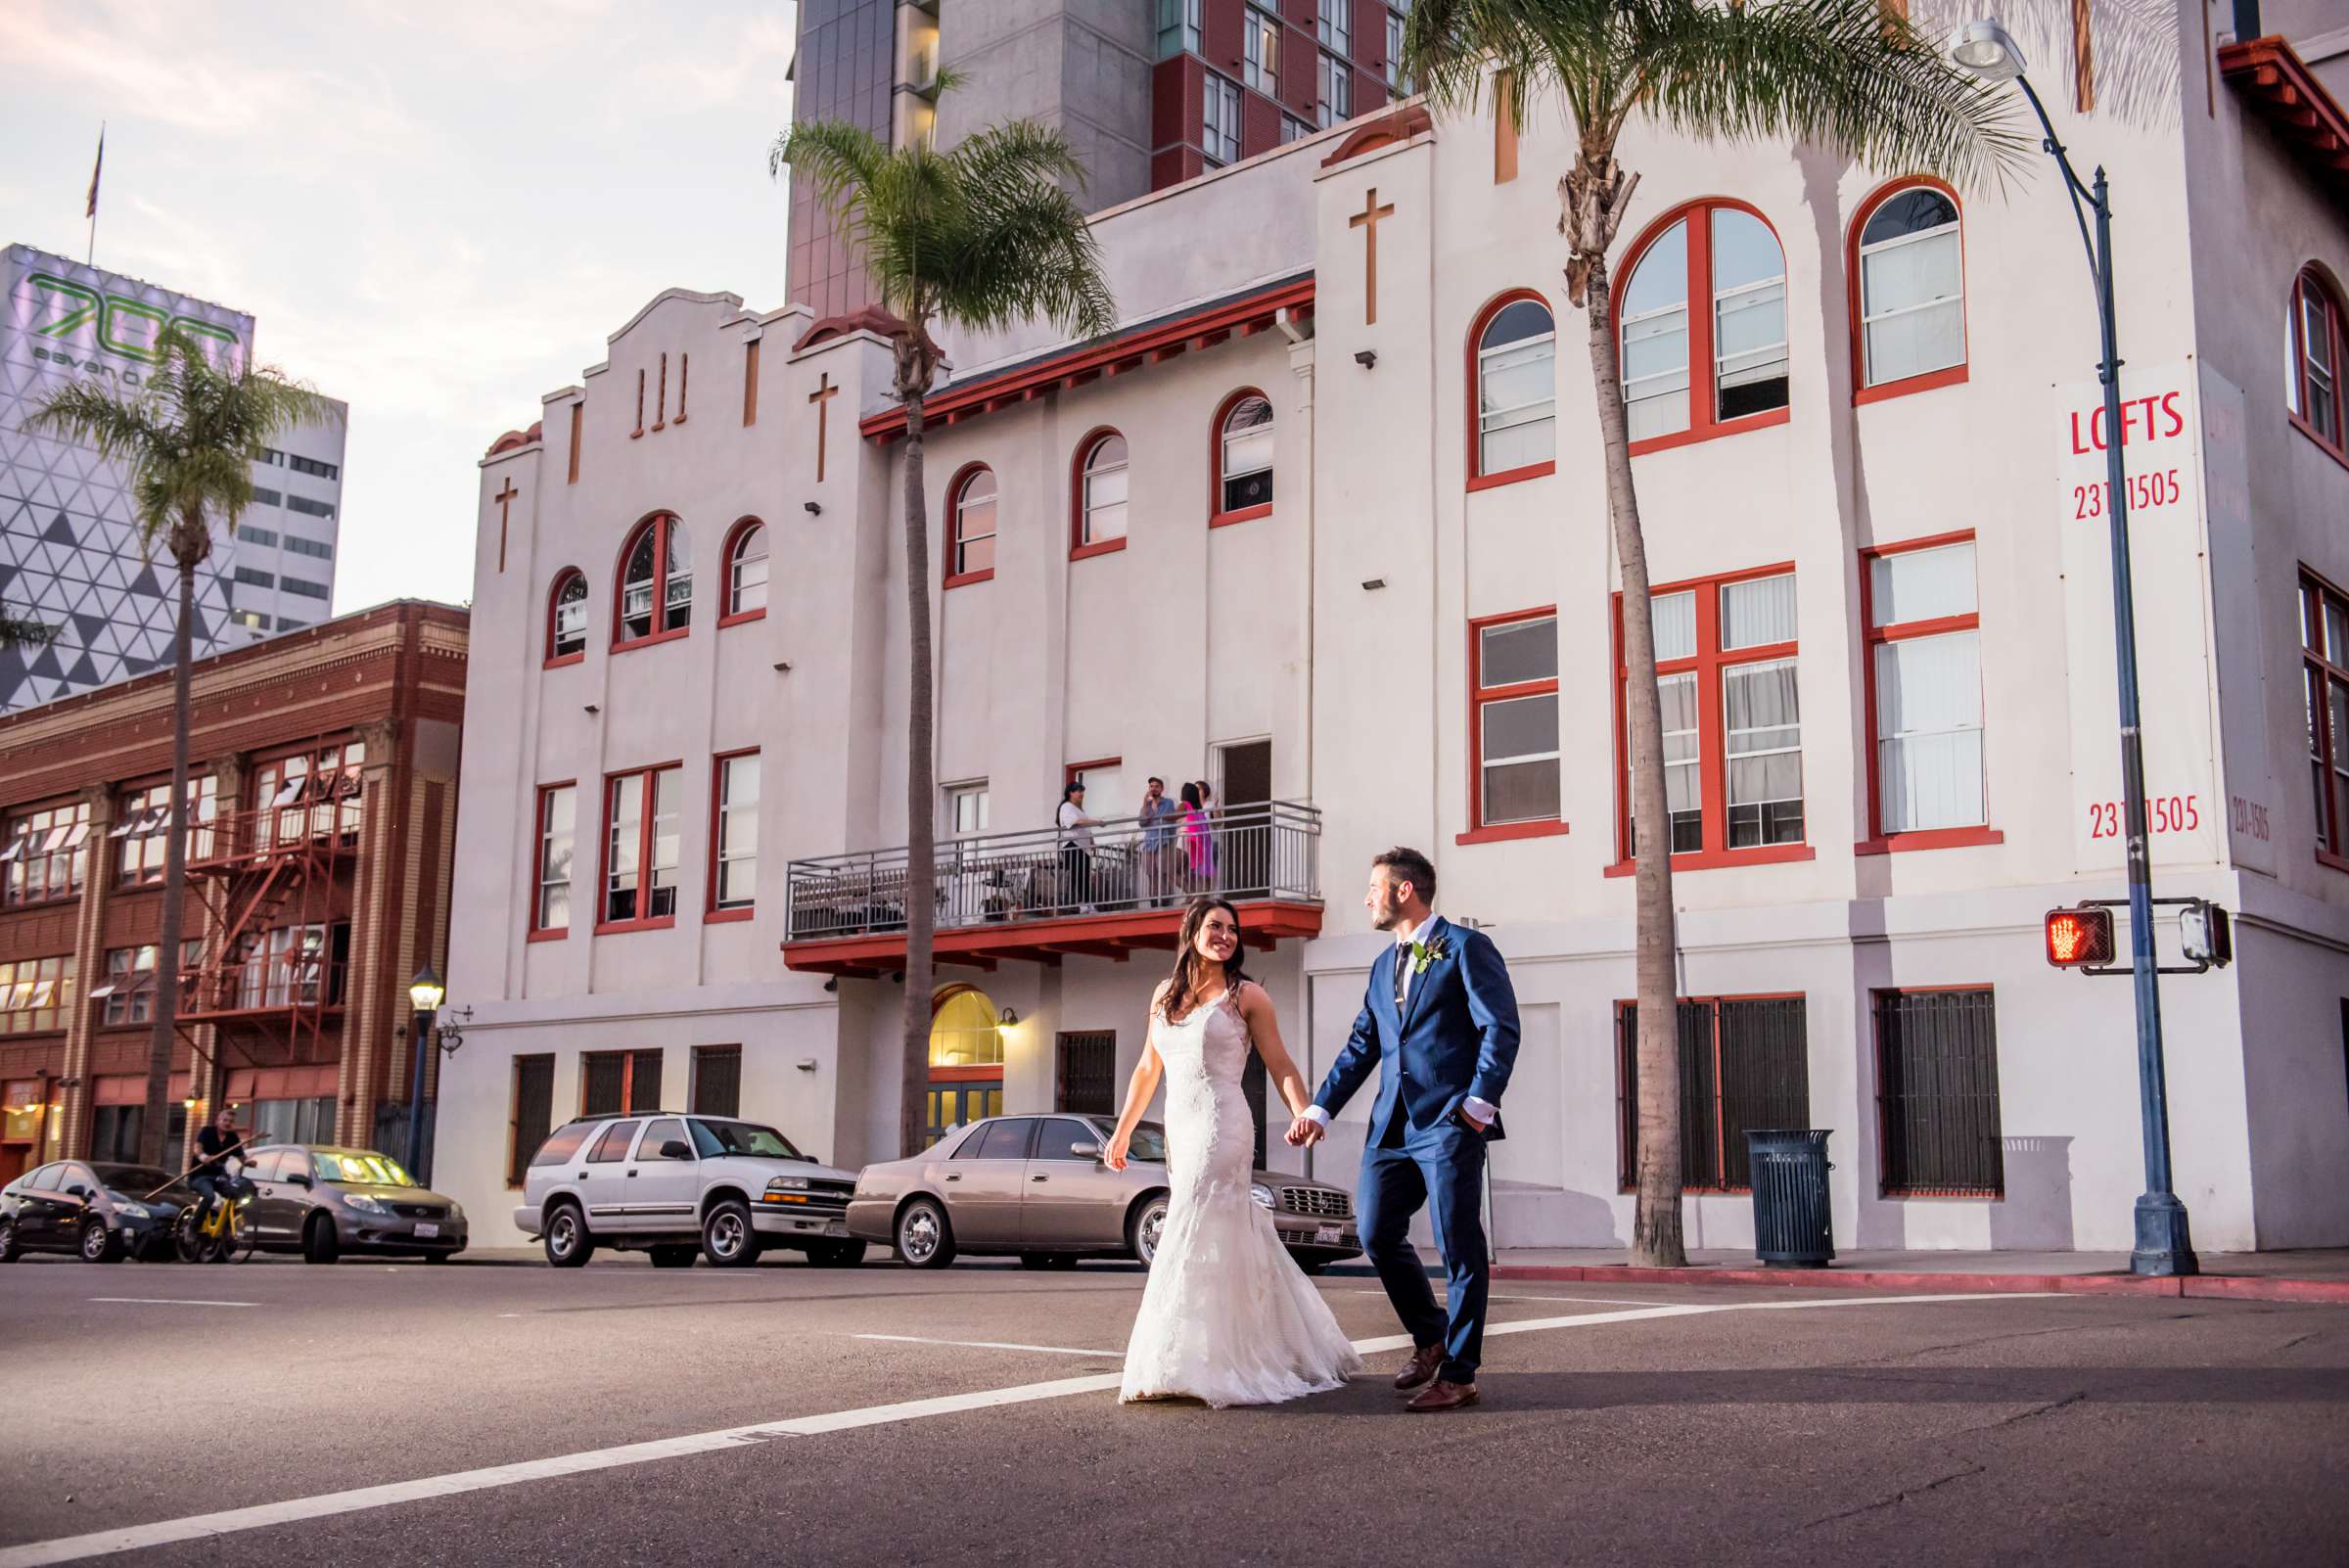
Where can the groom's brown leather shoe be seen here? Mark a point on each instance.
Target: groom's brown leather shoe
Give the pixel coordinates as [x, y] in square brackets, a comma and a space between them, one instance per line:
[1442, 1395]
[1420, 1367]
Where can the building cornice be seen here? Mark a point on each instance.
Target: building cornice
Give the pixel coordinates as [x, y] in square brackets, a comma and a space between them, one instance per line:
[2277, 86]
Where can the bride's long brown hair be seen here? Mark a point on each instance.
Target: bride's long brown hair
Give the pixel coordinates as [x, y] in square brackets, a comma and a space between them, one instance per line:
[1183, 987]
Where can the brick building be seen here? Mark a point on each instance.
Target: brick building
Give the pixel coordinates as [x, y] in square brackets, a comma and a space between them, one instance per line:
[322, 797]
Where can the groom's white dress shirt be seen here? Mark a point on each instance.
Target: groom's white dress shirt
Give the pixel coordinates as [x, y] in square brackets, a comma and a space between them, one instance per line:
[1480, 1111]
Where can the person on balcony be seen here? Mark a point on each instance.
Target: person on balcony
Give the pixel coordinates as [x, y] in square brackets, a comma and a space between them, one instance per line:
[1076, 849]
[1198, 839]
[1160, 820]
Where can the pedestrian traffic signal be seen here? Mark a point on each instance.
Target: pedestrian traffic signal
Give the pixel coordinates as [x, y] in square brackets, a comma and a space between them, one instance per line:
[2080, 937]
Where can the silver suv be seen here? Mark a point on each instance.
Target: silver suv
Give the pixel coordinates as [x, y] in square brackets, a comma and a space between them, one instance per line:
[671, 1185]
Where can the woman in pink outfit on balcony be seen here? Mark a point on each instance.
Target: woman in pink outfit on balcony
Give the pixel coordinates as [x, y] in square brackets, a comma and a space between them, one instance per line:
[1198, 844]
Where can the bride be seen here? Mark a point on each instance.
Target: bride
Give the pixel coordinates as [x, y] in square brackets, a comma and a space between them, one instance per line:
[1227, 1317]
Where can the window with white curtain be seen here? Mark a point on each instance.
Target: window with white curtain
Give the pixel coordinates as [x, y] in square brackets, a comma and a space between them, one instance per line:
[1516, 388]
[1101, 508]
[1911, 288]
[1762, 720]
[1674, 616]
[1757, 612]
[1516, 712]
[736, 884]
[1926, 669]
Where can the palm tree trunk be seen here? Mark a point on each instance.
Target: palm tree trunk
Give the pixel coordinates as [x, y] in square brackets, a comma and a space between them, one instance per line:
[1656, 1216]
[921, 789]
[175, 876]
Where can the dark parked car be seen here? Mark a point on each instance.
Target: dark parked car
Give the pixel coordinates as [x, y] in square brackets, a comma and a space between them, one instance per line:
[96, 1210]
[322, 1201]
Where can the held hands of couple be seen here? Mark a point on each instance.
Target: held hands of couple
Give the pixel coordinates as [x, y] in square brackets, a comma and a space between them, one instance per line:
[1305, 1131]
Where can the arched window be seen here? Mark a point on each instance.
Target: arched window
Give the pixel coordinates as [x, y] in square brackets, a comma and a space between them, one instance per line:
[567, 617]
[1243, 458]
[656, 583]
[1513, 367]
[971, 527]
[2312, 338]
[1100, 500]
[746, 571]
[1910, 269]
[1687, 378]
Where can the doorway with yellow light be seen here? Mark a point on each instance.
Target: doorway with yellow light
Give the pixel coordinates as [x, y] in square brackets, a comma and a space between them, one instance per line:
[966, 1059]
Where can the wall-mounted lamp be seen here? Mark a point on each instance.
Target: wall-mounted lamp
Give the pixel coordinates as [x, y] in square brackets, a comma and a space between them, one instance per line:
[782, 666]
[1008, 1018]
[451, 1030]
[807, 1064]
[814, 510]
[1367, 358]
[1373, 585]
[832, 983]
[591, 708]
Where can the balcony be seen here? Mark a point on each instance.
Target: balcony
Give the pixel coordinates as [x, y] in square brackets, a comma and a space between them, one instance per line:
[1021, 897]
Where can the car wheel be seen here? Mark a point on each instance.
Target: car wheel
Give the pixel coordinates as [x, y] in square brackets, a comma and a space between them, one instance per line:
[10, 1252]
[1143, 1229]
[925, 1239]
[675, 1257]
[568, 1241]
[728, 1239]
[836, 1254]
[98, 1244]
[319, 1244]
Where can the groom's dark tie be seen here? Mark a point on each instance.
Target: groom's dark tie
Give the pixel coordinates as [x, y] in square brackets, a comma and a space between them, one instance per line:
[1403, 973]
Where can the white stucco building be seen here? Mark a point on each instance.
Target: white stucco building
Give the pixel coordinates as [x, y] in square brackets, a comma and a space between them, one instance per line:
[1332, 536]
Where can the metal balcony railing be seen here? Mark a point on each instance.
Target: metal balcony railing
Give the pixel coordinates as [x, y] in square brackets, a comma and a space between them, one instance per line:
[1267, 852]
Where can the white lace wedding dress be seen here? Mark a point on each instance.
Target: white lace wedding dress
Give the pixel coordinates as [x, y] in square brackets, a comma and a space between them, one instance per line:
[1227, 1317]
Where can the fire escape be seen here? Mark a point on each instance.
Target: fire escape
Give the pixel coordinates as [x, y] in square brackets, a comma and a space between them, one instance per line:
[268, 970]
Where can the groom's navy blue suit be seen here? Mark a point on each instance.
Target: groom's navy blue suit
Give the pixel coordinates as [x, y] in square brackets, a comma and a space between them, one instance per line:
[1455, 1037]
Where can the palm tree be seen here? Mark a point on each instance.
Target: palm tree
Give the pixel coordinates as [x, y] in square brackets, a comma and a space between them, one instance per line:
[1849, 75]
[188, 440]
[974, 238]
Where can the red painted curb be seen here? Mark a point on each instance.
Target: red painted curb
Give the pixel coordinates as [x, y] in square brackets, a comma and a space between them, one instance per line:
[2235, 1287]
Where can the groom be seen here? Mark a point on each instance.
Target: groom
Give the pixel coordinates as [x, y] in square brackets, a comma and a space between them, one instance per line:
[1440, 1022]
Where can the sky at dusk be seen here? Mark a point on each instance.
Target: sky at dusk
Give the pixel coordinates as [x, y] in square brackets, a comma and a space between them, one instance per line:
[436, 213]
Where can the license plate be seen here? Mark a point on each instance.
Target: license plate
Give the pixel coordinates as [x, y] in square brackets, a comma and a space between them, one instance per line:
[838, 1227]
[1325, 1235]
[426, 1230]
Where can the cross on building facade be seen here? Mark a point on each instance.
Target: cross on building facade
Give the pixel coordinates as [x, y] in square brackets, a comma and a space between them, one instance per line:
[1367, 221]
[505, 512]
[822, 397]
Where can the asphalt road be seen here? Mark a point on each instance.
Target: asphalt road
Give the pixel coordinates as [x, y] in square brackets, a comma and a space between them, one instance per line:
[1744, 1427]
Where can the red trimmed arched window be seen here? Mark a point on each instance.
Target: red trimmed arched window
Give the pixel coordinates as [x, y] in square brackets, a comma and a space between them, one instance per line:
[1241, 459]
[971, 527]
[656, 583]
[2313, 375]
[1513, 390]
[567, 618]
[1907, 271]
[746, 573]
[1098, 496]
[1689, 375]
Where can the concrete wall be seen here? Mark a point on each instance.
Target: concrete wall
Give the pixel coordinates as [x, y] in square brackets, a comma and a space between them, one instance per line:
[1077, 66]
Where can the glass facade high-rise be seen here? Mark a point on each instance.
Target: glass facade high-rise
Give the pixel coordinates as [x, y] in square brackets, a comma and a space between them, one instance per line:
[844, 69]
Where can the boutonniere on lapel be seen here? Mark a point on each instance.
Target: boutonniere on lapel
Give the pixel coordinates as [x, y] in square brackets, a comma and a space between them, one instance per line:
[1425, 953]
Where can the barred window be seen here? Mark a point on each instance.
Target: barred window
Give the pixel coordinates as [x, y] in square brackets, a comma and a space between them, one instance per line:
[1937, 1093]
[716, 1081]
[1744, 1066]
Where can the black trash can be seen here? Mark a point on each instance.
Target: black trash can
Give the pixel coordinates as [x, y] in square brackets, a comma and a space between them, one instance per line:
[1793, 1227]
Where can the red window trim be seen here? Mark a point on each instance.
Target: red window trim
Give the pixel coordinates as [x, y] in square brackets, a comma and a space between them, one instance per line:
[644, 852]
[1217, 518]
[1078, 548]
[1626, 1141]
[661, 522]
[725, 570]
[1879, 841]
[537, 931]
[1885, 1190]
[712, 915]
[551, 660]
[2331, 444]
[1479, 830]
[1478, 479]
[1702, 395]
[627, 1055]
[1949, 375]
[962, 477]
[1712, 758]
[2315, 588]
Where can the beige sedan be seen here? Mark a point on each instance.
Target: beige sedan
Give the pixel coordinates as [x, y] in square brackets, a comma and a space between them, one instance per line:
[1034, 1186]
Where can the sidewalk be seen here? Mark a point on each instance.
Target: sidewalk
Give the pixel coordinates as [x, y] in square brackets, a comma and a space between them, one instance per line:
[2312, 1276]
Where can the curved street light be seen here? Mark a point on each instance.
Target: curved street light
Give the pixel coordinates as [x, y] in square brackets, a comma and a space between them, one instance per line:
[2163, 1247]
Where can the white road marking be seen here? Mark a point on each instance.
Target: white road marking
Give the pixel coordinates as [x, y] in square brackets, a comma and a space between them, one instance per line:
[231, 1521]
[988, 1344]
[1596, 1300]
[170, 1300]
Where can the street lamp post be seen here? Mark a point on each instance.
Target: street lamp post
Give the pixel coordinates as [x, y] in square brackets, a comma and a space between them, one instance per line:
[2163, 1246]
[424, 992]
